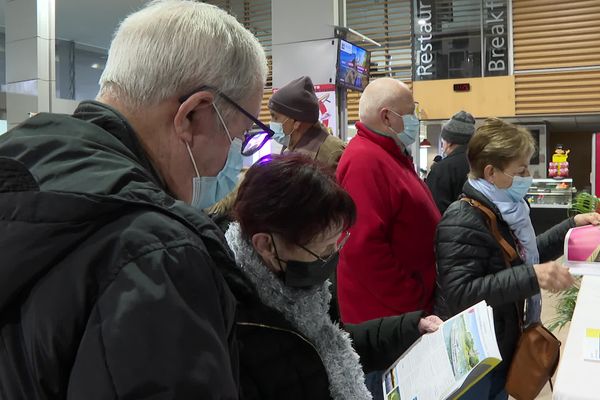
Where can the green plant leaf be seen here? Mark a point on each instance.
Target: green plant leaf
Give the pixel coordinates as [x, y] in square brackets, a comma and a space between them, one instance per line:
[565, 307]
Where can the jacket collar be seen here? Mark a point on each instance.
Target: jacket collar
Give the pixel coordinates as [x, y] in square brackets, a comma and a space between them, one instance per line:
[156, 193]
[386, 143]
[470, 191]
[311, 140]
[458, 151]
[113, 122]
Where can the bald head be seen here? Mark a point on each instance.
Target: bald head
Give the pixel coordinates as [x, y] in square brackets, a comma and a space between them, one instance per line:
[381, 95]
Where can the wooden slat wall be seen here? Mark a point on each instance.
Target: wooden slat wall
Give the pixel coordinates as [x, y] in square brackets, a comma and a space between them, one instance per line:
[558, 92]
[389, 23]
[257, 19]
[255, 15]
[550, 34]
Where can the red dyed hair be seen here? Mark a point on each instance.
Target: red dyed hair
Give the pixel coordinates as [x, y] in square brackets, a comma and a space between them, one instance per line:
[293, 196]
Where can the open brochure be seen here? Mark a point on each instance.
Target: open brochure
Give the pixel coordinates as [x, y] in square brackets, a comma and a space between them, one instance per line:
[582, 250]
[446, 363]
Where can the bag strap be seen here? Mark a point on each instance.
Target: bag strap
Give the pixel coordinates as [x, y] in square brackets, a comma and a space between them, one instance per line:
[508, 252]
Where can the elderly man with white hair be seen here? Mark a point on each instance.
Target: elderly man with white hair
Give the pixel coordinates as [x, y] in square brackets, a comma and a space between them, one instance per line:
[111, 279]
[387, 266]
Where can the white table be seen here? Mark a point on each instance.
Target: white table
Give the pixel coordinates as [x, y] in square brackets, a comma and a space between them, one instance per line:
[578, 379]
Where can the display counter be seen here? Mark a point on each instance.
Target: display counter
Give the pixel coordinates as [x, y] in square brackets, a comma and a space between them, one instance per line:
[550, 201]
[578, 378]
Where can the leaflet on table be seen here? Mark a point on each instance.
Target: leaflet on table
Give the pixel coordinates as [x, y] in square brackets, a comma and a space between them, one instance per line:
[444, 364]
[591, 344]
[582, 250]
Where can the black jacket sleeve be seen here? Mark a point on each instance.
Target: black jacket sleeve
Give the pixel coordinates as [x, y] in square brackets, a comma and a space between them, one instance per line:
[379, 342]
[161, 330]
[470, 263]
[551, 243]
[440, 185]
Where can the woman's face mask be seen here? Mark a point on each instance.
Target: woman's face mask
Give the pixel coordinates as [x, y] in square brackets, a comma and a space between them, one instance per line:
[308, 274]
[519, 187]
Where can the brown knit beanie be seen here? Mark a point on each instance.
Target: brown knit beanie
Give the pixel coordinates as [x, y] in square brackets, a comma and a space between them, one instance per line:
[297, 100]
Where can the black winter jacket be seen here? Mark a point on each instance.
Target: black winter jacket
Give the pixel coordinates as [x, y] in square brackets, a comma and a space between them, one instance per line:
[109, 288]
[447, 177]
[278, 362]
[471, 267]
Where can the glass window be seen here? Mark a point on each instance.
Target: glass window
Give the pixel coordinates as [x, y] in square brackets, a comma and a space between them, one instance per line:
[459, 38]
[82, 42]
[78, 70]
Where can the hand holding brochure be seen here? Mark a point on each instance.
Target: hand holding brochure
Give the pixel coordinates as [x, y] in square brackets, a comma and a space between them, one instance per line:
[582, 250]
[444, 364]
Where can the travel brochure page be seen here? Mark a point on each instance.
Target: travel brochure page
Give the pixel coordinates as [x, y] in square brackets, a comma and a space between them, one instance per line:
[582, 250]
[443, 364]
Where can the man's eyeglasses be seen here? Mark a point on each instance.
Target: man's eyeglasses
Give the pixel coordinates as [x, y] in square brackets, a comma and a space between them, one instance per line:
[339, 246]
[255, 138]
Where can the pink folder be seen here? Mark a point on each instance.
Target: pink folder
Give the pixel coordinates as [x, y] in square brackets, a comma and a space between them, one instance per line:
[582, 244]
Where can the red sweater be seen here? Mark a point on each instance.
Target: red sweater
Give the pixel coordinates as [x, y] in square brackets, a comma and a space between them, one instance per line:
[387, 267]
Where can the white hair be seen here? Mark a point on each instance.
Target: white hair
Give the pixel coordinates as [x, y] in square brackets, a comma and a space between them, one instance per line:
[172, 47]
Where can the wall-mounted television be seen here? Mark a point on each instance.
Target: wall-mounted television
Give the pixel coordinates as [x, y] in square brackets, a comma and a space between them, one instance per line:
[352, 66]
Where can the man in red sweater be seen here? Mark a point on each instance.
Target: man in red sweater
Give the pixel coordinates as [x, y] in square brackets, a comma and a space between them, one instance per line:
[387, 267]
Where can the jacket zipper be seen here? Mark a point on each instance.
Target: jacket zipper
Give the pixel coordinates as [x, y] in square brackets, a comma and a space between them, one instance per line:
[275, 328]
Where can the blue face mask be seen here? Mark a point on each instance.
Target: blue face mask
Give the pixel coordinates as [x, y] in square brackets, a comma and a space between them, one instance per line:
[279, 136]
[207, 190]
[519, 188]
[411, 128]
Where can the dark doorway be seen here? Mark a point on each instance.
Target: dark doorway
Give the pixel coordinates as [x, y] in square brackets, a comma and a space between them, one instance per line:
[580, 157]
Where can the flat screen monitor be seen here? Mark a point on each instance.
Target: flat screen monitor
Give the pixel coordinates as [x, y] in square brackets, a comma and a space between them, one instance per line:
[352, 66]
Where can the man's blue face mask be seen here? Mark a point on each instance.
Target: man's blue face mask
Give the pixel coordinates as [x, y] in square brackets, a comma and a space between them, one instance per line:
[411, 128]
[279, 135]
[208, 190]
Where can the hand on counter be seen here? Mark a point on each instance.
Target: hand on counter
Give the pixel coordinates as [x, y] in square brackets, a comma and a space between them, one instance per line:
[592, 218]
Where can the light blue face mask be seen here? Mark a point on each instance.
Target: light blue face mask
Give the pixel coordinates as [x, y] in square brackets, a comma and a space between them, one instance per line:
[411, 128]
[279, 136]
[519, 188]
[207, 190]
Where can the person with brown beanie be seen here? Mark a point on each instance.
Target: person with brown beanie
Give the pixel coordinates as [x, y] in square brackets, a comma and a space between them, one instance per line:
[446, 180]
[295, 120]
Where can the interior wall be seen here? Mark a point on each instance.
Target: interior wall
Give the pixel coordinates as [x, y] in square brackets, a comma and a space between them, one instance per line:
[488, 97]
[580, 157]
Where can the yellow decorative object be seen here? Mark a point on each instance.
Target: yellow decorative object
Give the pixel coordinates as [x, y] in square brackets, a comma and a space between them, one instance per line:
[560, 155]
[559, 166]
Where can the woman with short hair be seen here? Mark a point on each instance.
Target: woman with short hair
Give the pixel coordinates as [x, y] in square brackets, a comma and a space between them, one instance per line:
[293, 218]
[471, 265]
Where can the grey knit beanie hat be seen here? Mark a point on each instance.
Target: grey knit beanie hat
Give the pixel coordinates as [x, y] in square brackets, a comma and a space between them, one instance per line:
[459, 128]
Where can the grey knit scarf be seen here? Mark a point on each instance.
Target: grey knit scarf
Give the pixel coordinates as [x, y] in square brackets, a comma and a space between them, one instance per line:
[307, 311]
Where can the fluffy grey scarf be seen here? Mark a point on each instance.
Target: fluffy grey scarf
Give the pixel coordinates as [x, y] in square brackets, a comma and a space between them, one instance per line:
[308, 312]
